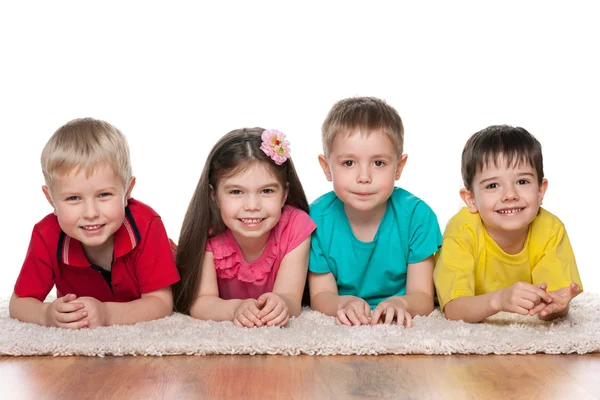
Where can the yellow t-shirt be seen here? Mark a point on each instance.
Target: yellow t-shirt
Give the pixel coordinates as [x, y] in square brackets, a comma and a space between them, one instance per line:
[470, 263]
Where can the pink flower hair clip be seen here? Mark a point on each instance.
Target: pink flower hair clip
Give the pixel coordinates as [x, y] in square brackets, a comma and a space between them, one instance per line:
[275, 146]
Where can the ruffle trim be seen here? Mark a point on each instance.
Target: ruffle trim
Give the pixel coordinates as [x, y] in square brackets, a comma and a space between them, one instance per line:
[229, 263]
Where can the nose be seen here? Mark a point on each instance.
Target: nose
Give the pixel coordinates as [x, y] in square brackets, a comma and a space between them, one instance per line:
[510, 193]
[252, 203]
[90, 209]
[364, 175]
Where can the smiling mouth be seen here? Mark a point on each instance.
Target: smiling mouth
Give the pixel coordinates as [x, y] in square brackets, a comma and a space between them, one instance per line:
[91, 227]
[252, 221]
[510, 211]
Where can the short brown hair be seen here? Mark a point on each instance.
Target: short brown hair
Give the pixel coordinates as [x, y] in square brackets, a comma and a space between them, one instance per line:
[83, 144]
[489, 144]
[364, 114]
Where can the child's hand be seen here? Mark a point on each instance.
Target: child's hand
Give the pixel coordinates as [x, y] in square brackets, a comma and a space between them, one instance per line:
[389, 309]
[247, 314]
[96, 312]
[64, 313]
[355, 312]
[273, 310]
[561, 299]
[519, 298]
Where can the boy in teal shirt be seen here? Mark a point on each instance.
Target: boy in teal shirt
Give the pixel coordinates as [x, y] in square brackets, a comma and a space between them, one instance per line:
[374, 243]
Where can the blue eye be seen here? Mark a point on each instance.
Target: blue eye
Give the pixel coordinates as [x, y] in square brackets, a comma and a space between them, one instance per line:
[72, 198]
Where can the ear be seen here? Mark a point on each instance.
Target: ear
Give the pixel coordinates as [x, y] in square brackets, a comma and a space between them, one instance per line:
[325, 166]
[128, 194]
[401, 165]
[543, 188]
[285, 194]
[469, 200]
[48, 197]
[212, 192]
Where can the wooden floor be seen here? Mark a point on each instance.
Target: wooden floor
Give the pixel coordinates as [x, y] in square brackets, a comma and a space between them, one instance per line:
[302, 377]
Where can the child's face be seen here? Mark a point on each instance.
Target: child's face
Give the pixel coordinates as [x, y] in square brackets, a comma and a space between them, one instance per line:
[363, 169]
[506, 197]
[251, 202]
[89, 209]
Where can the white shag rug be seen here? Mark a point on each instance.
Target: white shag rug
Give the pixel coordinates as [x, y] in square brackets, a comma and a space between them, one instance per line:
[315, 334]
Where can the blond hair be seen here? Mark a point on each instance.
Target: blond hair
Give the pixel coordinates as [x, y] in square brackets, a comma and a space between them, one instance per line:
[364, 115]
[82, 145]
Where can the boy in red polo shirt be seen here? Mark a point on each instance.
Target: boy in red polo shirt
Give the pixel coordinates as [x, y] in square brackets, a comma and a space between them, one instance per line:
[107, 254]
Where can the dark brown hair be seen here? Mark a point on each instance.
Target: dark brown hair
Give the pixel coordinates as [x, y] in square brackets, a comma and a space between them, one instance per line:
[515, 144]
[364, 114]
[233, 153]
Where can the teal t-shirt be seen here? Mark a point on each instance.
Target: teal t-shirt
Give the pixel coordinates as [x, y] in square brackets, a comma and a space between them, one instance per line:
[374, 271]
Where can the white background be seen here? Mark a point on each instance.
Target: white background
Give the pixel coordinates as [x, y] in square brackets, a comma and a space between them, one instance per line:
[175, 76]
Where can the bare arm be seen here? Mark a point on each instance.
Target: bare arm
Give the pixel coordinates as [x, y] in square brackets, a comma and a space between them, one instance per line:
[208, 305]
[291, 277]
[518, 298]
[419, 288]
[324, 295]
[150, 306]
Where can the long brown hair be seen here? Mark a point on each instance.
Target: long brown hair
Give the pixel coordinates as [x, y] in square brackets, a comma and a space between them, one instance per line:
[233, 153]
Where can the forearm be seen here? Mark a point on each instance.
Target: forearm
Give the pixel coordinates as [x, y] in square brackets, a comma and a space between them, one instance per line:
[294, 304]
[471, 308]
[419, 303]
[144, 309]
[28, 309]
[214, 308]
[329, 303]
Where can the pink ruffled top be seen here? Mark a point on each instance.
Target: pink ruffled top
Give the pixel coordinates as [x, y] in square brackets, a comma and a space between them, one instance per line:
[238, 279]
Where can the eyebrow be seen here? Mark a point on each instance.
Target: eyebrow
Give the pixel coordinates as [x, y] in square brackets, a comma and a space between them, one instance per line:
[494, 178]
[238, 186]
[355, 156]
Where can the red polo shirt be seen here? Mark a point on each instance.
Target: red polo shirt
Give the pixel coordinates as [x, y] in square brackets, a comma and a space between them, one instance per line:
[142, 260]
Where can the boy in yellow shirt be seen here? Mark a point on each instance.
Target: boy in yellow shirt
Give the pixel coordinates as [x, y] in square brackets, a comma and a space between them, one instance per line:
[503, 252]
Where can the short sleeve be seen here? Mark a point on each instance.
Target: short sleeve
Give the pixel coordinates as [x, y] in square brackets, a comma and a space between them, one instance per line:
[425, 235]
[299, 227]
[557, 267]
[454, 272]
[36, 278]
[155, 266]
[317, 262]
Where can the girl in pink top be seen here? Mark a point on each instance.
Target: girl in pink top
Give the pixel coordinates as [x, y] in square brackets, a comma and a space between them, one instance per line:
[244, 244]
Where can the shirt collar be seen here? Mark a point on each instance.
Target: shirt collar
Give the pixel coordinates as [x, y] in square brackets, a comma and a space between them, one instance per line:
[126, 238]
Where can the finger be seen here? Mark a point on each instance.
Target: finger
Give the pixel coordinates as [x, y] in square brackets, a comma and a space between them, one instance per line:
[250, 316]
[376, 315]
[550, 309]
[277, 321]
[268, 307]
[237, 323]
[390, 313]
[68, 297]
[69, 307]
[343, 318]
[277, 311]
[539, 307]
[361, 316]
[337, 321]
[245, 321]
[408, 318]
[543, 286]
[262, 299]
[575, 290]
[71, 317]
[351, 314]
[541, 293]
[367, 310]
